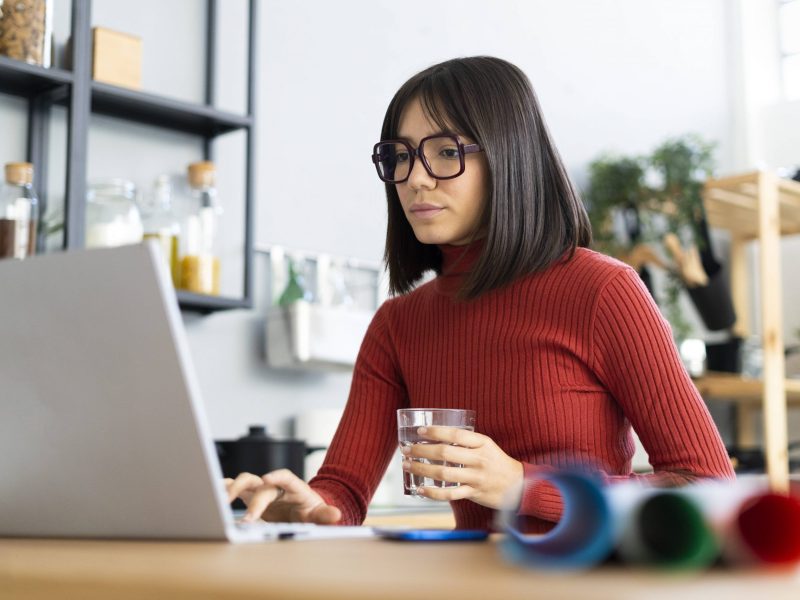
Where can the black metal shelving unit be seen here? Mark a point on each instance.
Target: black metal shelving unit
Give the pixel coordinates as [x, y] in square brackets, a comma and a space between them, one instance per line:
[21, 79]
[45, 87]
[150, 109]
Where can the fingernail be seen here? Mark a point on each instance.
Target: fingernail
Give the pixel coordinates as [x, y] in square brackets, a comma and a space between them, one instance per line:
[422, 430]
[405, 449]
[406, 465]
[420, 491]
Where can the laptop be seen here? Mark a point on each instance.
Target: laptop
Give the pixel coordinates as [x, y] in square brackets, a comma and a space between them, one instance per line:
[102, 427]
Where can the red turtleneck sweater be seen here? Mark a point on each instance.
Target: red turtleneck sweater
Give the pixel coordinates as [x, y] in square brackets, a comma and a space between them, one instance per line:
[557, 365]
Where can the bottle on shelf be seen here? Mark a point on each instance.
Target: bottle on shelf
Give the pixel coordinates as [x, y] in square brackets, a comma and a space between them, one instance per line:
[19, 212]
[200, 264]
[160, 223]
[112, 216]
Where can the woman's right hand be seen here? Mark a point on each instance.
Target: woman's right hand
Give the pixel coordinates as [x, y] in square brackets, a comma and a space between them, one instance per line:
[280, 496]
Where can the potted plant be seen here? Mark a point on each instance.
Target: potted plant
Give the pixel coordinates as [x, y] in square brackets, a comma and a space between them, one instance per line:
[659, 198]
[681, 166]
[616, 198]
[616, 185]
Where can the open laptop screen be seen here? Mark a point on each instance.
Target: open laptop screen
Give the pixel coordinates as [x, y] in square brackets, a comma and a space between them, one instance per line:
[102, 432]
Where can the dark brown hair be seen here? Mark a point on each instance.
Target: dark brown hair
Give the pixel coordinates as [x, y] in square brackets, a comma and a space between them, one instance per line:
[533, 216]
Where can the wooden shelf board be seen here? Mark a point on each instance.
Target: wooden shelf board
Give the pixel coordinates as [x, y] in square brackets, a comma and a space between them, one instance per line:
[729, 386]
[790, 189]
[732, 203]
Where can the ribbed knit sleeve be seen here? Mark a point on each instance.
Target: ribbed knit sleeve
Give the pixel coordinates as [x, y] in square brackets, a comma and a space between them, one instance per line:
[634, 357]
[367, 434]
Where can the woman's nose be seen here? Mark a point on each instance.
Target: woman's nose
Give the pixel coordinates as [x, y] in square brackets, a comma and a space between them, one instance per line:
[419, 178]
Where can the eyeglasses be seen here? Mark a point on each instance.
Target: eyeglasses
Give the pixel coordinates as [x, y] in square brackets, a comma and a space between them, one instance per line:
[442, 155]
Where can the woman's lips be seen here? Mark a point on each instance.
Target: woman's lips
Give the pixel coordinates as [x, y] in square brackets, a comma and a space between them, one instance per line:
[426, 211]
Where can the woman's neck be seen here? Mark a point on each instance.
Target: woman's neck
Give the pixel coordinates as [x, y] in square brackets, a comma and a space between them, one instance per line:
[457, 263]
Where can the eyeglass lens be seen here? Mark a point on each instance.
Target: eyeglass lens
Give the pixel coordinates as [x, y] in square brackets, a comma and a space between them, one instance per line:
[441, 156]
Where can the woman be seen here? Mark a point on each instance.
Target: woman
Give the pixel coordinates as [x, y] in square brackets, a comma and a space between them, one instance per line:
[558, 349]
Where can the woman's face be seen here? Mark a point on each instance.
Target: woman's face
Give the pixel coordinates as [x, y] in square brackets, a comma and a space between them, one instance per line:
[441, 211]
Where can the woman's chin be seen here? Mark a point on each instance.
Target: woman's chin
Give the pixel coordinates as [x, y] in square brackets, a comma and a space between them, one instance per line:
[443, 240]
[427, 235]
[437, 240]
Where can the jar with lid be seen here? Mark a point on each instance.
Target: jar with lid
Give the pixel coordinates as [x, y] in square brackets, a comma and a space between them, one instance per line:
[26, 28]
[19, 212]
[161, 224]
[200, 264]
[112, 217]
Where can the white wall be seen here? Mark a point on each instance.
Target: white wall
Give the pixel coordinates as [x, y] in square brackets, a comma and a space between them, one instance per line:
[779, 129]
[615, 75]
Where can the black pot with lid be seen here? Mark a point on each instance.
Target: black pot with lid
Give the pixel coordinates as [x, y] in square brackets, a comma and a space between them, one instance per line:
[259, 453]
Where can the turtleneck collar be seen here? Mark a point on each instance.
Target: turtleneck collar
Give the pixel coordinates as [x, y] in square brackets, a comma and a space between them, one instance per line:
[457, 262]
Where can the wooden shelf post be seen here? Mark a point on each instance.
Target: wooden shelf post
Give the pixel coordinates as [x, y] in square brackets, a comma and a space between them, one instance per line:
[775, 418]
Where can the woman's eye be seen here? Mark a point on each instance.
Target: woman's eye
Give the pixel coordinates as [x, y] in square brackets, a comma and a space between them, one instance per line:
[401, 157]
[449, 153]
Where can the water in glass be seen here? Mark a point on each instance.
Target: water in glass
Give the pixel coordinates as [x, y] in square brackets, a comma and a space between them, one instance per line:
[408, 436]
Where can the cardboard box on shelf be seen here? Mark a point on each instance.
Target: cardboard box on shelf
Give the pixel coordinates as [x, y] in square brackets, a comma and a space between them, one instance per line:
[116, 58]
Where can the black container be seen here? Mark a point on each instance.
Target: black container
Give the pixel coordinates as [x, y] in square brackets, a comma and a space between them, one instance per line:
[752, 460]
[258, 453]
[714, 302]
[724, 356]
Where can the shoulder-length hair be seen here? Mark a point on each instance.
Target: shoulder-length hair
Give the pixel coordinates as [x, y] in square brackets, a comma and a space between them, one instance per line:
[533, 216]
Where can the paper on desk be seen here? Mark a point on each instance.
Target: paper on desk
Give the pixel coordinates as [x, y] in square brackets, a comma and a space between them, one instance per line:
[334, 532]
[271, 531]
[583, 537]
[752, 524]
[662, 528]
[687, 527]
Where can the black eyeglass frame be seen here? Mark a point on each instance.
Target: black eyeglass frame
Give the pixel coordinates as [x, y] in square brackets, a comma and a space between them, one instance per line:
[463, 150]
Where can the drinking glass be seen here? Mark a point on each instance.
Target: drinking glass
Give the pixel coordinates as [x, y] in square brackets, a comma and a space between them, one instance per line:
[409, 420]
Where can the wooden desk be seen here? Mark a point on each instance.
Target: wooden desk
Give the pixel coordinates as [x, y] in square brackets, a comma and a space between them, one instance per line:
[346, 569]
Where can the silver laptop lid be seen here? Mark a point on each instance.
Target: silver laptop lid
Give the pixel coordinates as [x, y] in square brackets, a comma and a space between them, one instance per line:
[102, 432]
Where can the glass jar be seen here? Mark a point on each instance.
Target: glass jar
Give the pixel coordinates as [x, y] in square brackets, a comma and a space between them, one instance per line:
[26, 28]
[19, 212]
[200, 264]
[112, 217]
[162, 225]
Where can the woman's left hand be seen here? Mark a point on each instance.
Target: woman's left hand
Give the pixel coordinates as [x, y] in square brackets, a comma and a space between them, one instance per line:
[488, 473]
